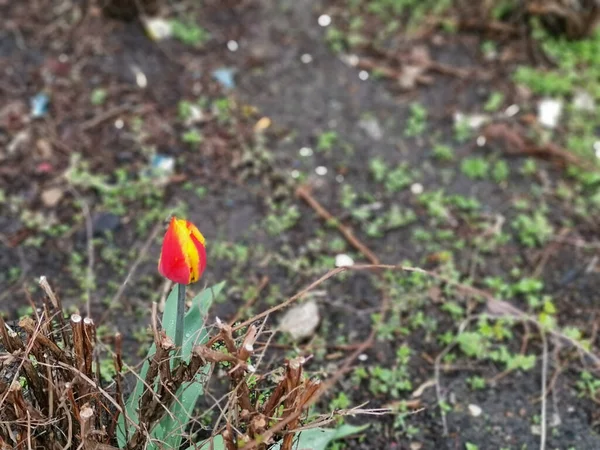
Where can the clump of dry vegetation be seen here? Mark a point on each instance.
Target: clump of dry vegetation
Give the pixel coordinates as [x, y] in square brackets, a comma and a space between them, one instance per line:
[52, 393]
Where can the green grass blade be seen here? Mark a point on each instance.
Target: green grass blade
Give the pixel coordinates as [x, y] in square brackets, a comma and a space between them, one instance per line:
[320, 438]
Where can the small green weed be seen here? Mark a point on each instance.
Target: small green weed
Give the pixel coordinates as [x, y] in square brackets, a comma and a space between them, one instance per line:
[417, 120]
[189, 33]
[475, 168]
[533, 230]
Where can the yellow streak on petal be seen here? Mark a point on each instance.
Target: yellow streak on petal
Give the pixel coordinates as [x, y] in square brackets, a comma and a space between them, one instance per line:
[196, 232]
[192, 259]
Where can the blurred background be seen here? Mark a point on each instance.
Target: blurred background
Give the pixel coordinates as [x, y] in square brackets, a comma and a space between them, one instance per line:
[460, 137]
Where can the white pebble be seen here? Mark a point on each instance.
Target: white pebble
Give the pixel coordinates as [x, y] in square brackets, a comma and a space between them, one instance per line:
[363, 357]
[301, 321]
[306, 58]
[140, 79]
[549, 112]
[343, 260]
[119, 124]
[232, 46]
[158, 28]
[295, 173]
[321, 170]
[306, 151]
[351, 60]
[481, 141]
[475, 410]
[363, 75]
[584, 101]
[416, 188]
[512, 110]
[597, 148]
[324, 20]
[339, 178]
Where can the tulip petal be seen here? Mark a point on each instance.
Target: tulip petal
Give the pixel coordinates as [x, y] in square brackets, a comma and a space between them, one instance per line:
[196, 232]
[173, 263]
[183, 258]
[201, 256]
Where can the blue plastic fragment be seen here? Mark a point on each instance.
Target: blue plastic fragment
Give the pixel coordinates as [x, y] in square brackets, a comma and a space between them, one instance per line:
[225, 76]
[39, 105]
[163, 163]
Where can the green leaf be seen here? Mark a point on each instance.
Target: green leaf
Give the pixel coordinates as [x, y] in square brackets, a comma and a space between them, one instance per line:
[194, 333]
[320, 438]
[132, 404]
[170, 429]
[169, 318]
[169, 432]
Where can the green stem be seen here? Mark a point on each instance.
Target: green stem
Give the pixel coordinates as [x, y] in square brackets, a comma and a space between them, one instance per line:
[179, 318]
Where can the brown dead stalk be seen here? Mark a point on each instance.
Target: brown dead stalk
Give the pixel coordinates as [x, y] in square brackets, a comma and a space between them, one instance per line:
[515, 144]
[286, 403]
[303, 192]
[56, 399]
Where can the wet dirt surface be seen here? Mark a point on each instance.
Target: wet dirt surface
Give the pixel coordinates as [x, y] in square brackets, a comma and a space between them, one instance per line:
[303, 100]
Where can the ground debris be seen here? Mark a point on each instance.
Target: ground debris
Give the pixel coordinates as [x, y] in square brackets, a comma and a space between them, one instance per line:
[301, 321]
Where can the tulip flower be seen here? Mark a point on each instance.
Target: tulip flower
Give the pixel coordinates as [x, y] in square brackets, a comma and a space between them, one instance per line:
[183, 255]
[182, 260]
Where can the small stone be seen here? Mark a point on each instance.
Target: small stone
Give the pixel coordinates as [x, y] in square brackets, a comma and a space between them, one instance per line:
[140, 77]
[475, 410]
[301, 321]
[351, 60]
[343, 260]
[324, 20]
[409, 76]
[306, 151]
[372, 128]
[416, 188]
[158, 28]
[549, 112]
[363, 75]
[583, 101]
[481, 141]
[232, 46]
[415, 446]
[363, 357]
[474, 121]
[51, 197]
[262, 124]
[321, 170]
[512, 110]
[306, 58]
